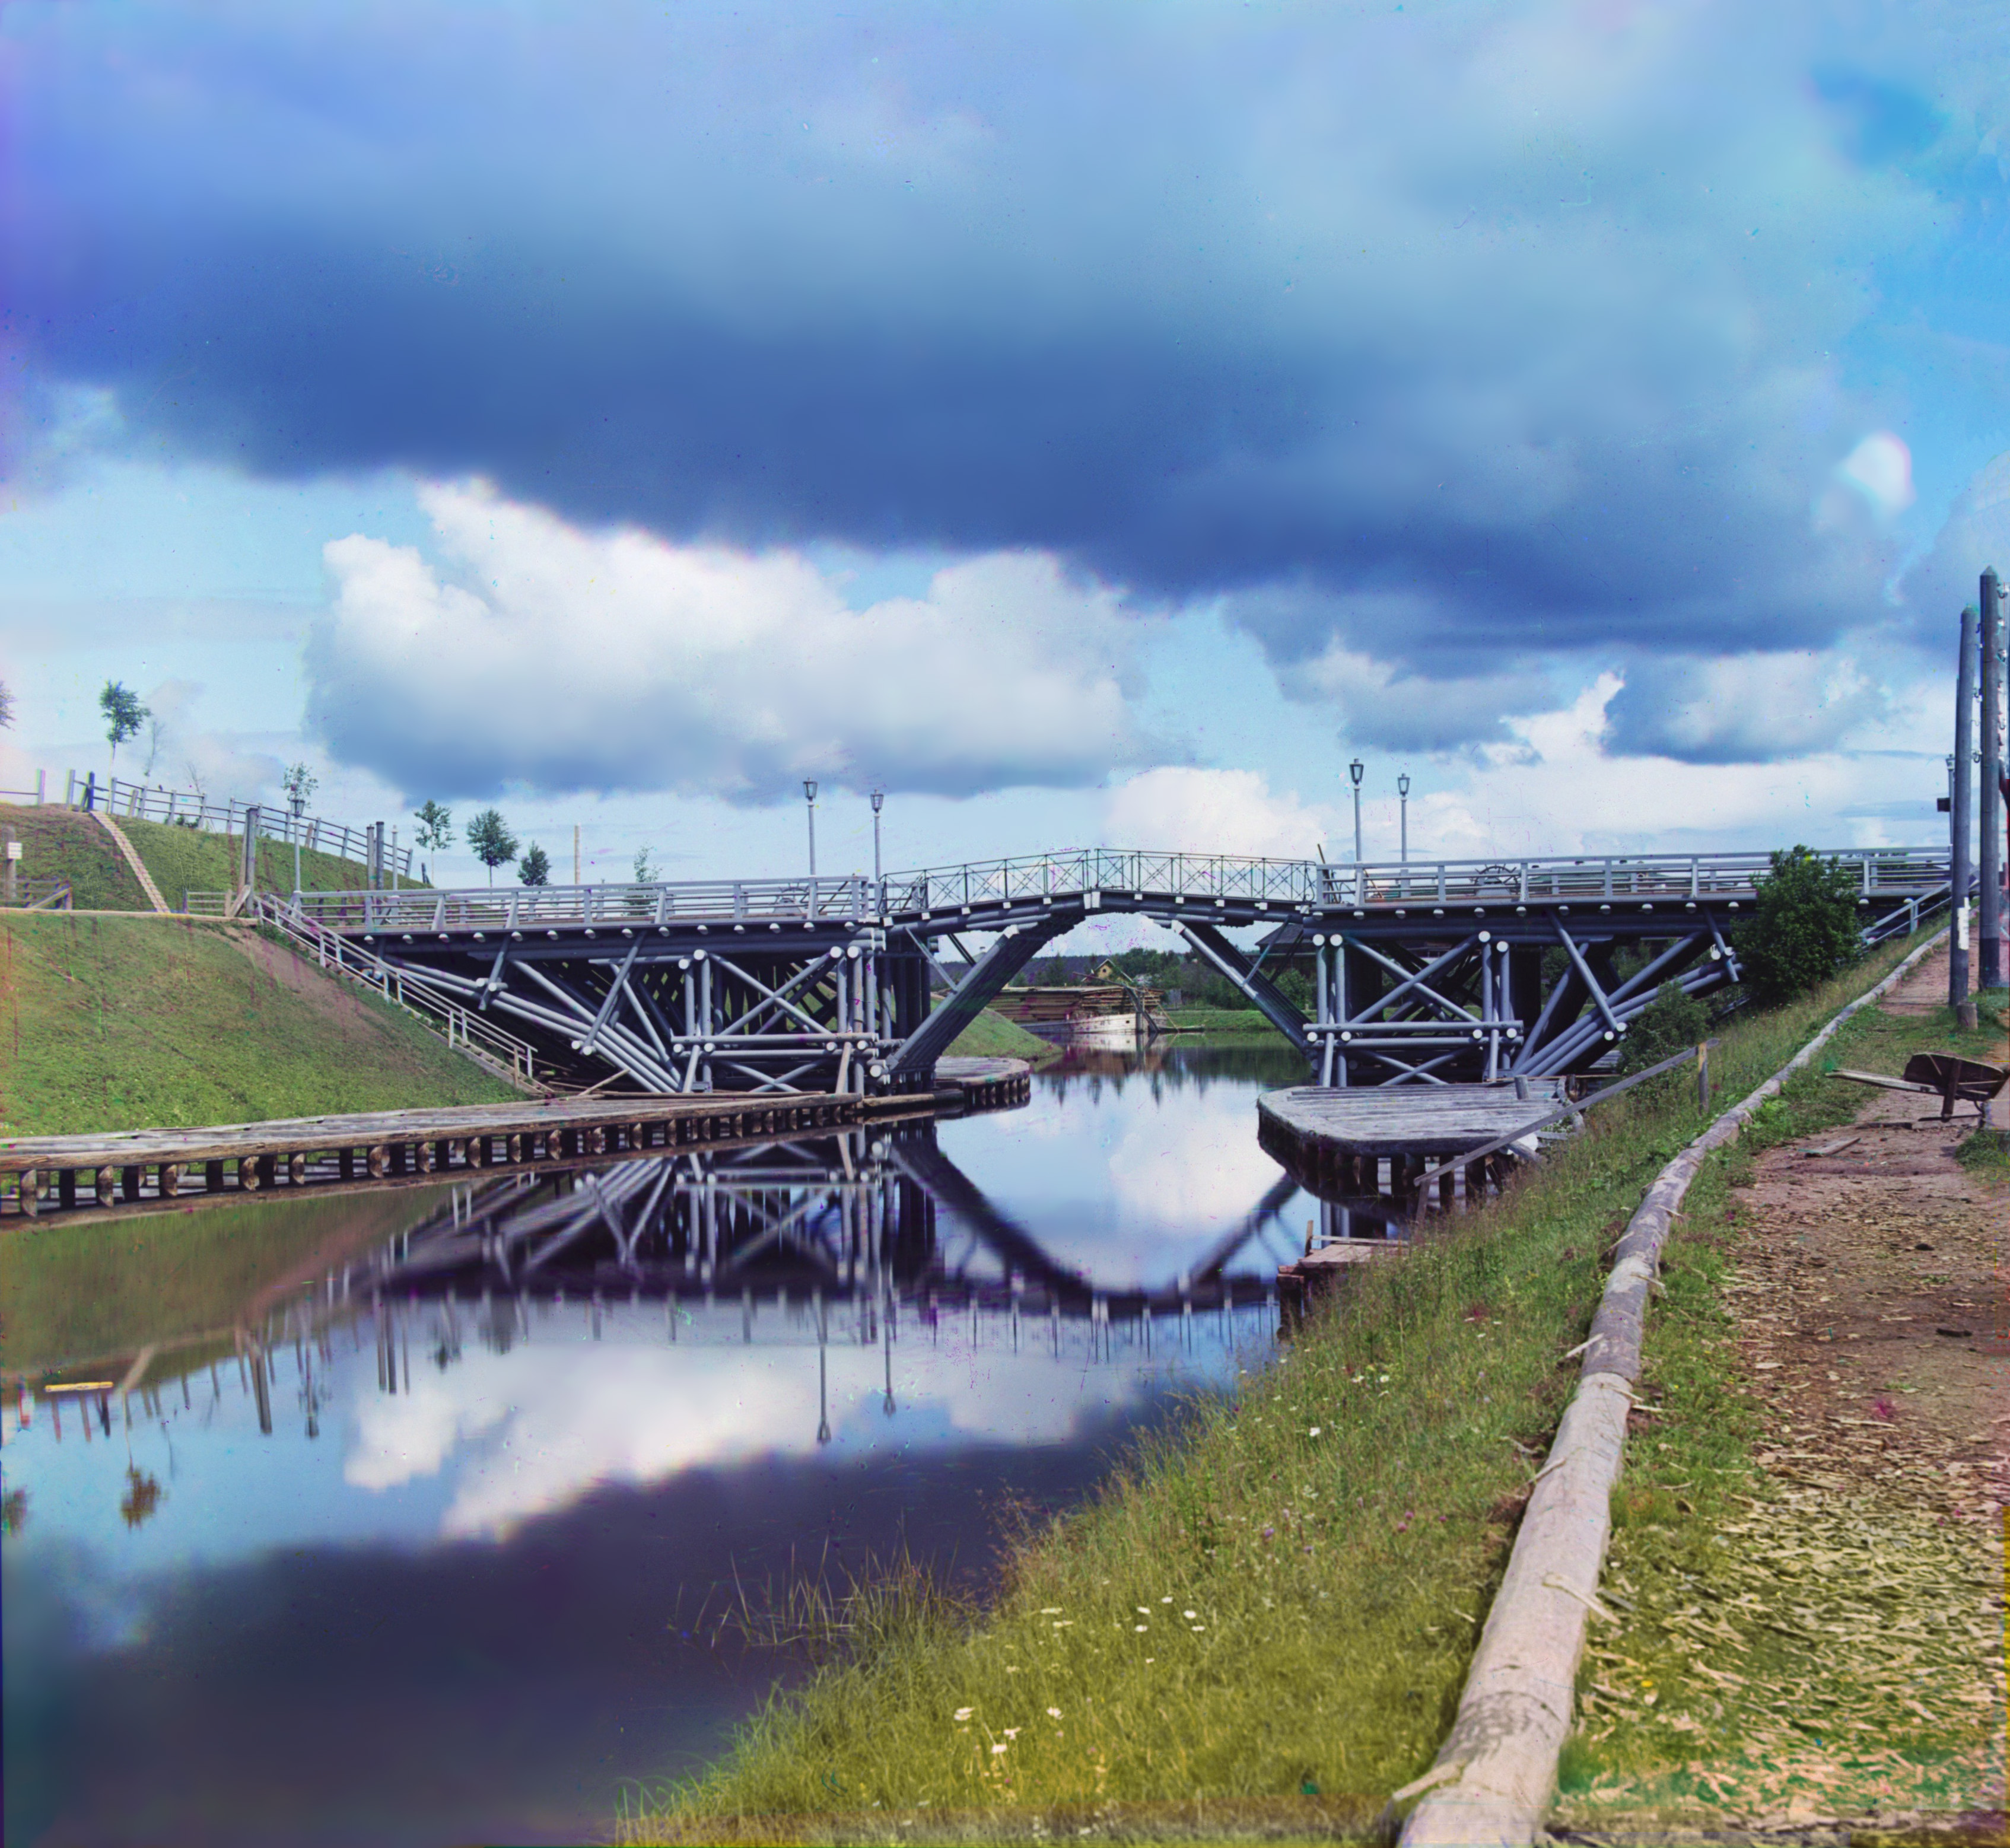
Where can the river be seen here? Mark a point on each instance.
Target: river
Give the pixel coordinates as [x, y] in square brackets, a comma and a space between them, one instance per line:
[463, 1565]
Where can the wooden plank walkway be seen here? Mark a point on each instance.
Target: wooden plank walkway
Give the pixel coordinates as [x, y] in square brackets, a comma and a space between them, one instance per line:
[1337, 1139]
[133, 1168]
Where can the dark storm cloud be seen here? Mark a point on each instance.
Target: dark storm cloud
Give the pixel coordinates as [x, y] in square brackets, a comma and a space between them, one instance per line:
[1514, 317]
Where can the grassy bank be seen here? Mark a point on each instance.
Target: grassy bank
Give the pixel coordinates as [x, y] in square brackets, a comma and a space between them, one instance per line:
[102, 1287]
[1277, 1605]
[111, 1023]
[62, 843]
[1225, 1021]
[991, 1035]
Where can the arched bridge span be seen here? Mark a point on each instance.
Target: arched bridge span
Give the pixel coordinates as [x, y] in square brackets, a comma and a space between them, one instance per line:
[1430, 971]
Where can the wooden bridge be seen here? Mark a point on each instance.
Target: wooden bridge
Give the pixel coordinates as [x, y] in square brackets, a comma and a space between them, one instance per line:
[1421, 973]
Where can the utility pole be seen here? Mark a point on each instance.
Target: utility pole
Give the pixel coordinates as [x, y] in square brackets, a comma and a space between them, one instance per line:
[1354, 770]
[878, 802]
[1403, 796]
[1962, 830]
[1992, 973]
[809, 806]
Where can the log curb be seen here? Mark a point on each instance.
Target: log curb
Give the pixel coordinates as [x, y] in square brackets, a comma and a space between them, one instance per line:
[1496, 1773]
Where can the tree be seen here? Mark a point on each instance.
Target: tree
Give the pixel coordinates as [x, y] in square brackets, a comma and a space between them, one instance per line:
[299, 783]
[6, 704]
[1803, 930]
[1673, 1021]
[489, 839]
[535, 867]
[435, 832]
[645, 874]
[124, 714]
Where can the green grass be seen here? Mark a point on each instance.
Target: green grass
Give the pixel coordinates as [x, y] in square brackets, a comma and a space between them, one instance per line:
[113, 1023]
[99, 1287]
[1337, 1580]
[1707, 1548]
[992, 1036]
[61, 843]
[184, 860]
[1224, 1021]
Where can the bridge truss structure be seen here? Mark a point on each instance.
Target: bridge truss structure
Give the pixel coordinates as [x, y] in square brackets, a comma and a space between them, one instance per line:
[1431, 972]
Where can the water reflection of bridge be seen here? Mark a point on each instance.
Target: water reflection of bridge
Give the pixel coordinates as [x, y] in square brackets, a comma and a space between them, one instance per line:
[865, 1218]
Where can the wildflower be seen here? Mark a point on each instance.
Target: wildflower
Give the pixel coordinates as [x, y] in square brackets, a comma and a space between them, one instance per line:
[1144, 1610]
[1198, 1628]
[1139, 1628]
[1314, 1432]
[1167, 1599]
[996, 1748]
[963, 1713]
[1013, 1732]
[1051, 1611]
[1054, 1713]
[1190, 1615]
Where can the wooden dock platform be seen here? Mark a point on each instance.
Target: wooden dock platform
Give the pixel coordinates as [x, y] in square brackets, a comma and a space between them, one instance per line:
[1361, 1142]
[157, 1167]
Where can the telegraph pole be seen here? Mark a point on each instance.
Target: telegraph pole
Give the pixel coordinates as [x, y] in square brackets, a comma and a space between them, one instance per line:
[1991, 974]
[1962, 828]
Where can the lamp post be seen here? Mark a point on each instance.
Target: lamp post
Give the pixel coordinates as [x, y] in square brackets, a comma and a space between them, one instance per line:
[1354, 770]
[809, 806]
[298, 803]
[878, 802]
[1403, 796]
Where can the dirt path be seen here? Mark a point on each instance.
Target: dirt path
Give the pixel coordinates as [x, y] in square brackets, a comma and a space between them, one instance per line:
[1827, 1663]
[1871, 1303]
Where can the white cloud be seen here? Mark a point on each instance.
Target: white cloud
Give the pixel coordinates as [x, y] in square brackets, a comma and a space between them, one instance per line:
[531, 1431]
[1743, 709]
[1880, 468]
[1975, 535]
[1223, 811]
[1557, 789]
[570, 660]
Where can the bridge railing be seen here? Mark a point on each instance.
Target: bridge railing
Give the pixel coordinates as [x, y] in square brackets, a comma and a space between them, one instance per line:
[1896, 873]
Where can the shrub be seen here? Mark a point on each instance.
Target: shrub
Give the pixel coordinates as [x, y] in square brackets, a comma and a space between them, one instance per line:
[1672, 1022]
[1804, 930]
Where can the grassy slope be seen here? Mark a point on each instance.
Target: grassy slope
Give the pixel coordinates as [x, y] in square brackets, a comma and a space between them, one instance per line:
[117, 1024]
[102, 1287]
[1338, 1579]
[185, 860]
[61, 843]
[992, 1036]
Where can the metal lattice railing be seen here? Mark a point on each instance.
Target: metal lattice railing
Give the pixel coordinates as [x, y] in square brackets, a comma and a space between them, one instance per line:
[1893, 873]
[472, 1034]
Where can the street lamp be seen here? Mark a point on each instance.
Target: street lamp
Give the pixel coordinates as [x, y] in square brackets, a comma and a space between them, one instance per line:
[809, 802]
[1354, 770]
[297, 799]
[878, 802]
[1403, 795]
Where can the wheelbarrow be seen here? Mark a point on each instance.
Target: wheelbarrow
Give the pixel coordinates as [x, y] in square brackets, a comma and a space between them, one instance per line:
[1952, 1080]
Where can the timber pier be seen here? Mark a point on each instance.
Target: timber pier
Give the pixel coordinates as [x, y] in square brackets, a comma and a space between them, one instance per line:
[1363, 1143]
[160, 1168]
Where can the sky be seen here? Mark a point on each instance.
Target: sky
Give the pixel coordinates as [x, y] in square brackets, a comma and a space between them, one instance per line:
[1084, 423]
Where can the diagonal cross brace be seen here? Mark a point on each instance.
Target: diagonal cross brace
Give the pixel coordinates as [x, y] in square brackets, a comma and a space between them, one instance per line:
[1005, 958]
[1238, 968]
